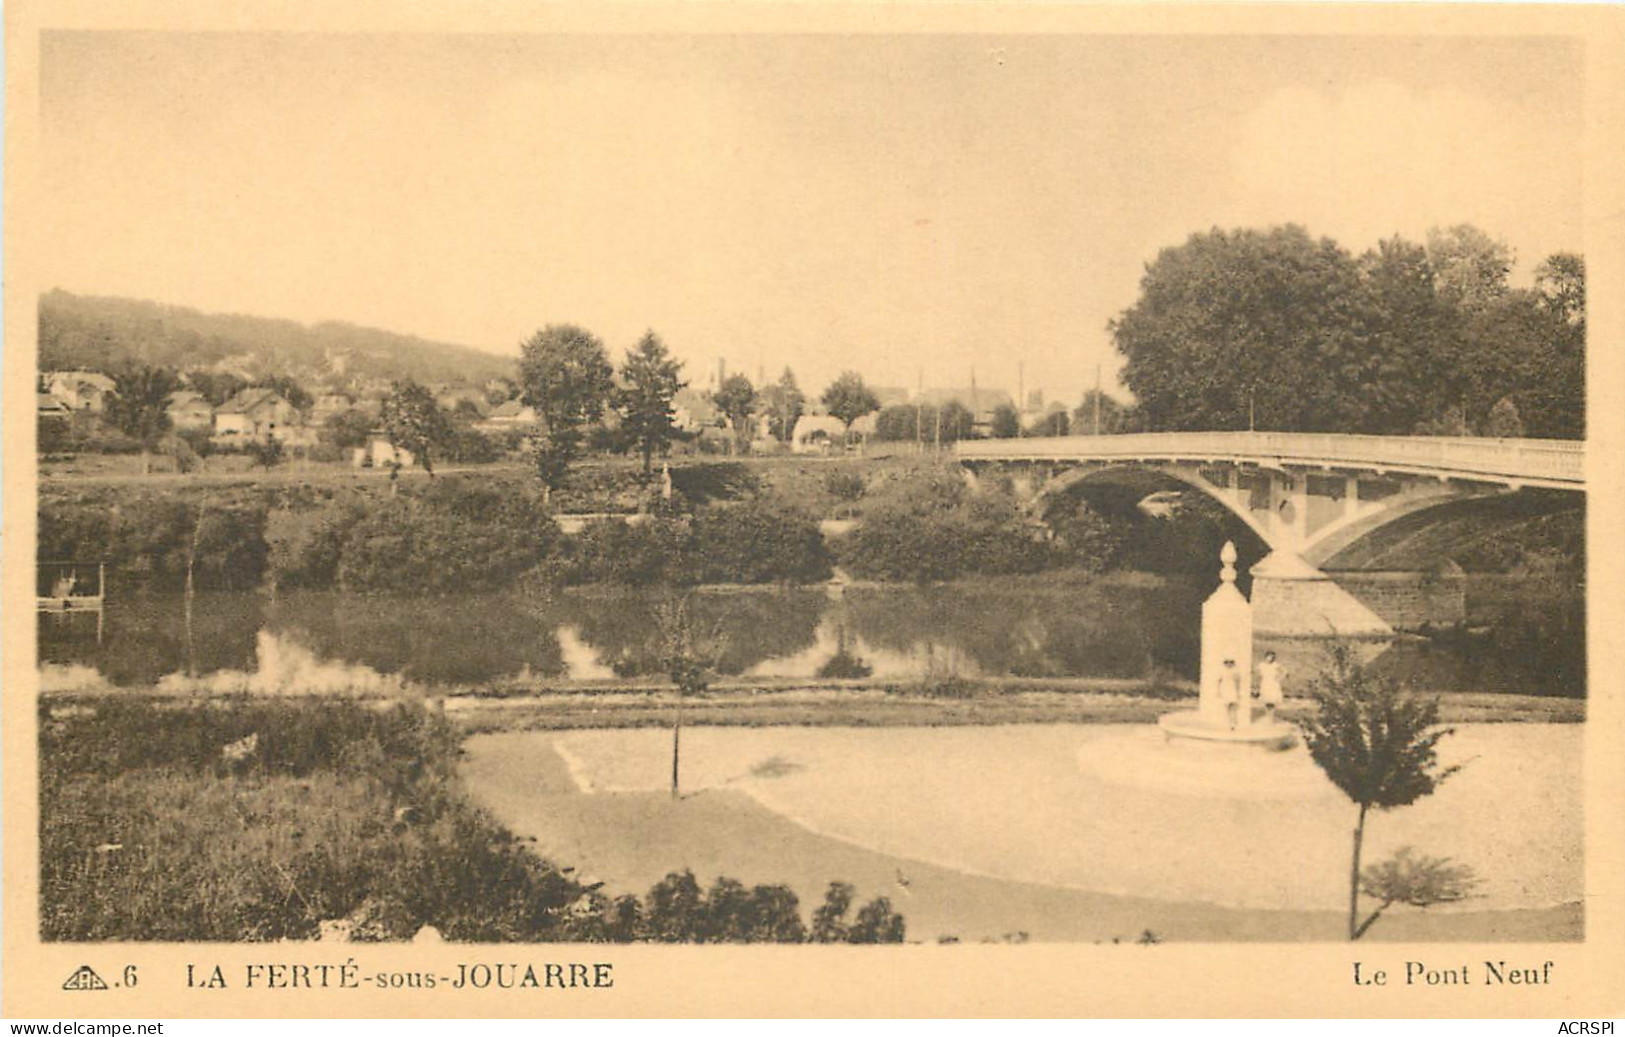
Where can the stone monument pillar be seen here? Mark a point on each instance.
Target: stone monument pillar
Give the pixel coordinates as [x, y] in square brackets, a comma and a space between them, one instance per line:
[1224, 705]
[1227, 635]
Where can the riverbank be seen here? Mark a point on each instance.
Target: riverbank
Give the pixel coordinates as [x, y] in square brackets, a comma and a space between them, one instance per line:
[857, 704]
[787, 702]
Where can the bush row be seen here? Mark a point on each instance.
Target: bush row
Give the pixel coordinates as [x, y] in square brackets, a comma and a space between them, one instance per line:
[448, 535]
[932, 526]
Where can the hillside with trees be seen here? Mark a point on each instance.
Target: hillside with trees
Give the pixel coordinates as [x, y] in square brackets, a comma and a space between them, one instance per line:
[105, 333]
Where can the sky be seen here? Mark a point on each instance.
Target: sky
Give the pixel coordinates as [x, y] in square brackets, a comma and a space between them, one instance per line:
[917, 208]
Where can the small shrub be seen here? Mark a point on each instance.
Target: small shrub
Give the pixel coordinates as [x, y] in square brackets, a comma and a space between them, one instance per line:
[470, 446]
[614, 551]
[1377, 743]
[304, 546]
[453, 537]
[267, 453]
[847, 487]
[843, 665]
[715, 481]
[1420, 881]
[756, 541]
[943, 534]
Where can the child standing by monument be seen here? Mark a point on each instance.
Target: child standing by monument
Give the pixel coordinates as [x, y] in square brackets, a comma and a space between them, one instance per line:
[1269, 685]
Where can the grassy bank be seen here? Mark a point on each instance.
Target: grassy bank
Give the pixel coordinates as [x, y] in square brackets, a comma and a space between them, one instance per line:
[236, 819]
[863, 704]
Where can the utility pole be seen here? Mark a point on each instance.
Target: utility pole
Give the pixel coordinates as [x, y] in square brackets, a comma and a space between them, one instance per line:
[1097, 399]
[919, 411]
[1250, 390]
[974, 409]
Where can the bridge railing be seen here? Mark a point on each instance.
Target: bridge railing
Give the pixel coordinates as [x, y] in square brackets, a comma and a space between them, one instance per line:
[1543, 460]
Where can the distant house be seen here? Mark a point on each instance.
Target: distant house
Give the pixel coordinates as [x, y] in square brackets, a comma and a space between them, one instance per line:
[381, 453]
[515, 414]
[980, 402]
[189, 410]
[817, 434]
[257, 415]
[693, 410]
[80, 390]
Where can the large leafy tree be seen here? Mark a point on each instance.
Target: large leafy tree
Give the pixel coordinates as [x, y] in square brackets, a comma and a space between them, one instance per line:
[1409, 366]
[953, 422]
[1554, 403]
[1519, 347]
[1471, 266]
[565, 374]
[1279, 331]
[347, 429]
[650, 380]
[783, 403]
[1006, 422]
[415, 422]
[736, 398]
[139, 406]
[1378, 744]
[902, 421]
[849, 399]
[1561, 281]
[1246, 323]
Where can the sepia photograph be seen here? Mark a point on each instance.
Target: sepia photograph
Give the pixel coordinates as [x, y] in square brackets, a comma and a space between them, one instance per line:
[944, 488]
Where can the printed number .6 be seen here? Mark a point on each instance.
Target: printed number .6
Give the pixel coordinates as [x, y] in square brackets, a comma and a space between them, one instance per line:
[129, 975]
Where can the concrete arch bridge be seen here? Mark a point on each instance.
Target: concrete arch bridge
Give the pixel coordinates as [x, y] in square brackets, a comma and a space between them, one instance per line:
[1310, 497]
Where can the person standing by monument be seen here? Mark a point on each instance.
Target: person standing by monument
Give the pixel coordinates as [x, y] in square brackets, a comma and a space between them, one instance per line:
[1269, 685]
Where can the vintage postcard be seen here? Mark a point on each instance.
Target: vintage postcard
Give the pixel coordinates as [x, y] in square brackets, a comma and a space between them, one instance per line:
[812, 510]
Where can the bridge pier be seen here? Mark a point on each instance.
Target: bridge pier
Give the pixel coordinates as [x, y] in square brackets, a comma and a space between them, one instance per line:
[1291, 598]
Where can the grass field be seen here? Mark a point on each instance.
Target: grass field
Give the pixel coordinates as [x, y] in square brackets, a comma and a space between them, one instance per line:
[253, 820]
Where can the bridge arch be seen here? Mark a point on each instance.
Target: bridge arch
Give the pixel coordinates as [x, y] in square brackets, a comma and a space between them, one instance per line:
[1059, 483]
[1312, 515]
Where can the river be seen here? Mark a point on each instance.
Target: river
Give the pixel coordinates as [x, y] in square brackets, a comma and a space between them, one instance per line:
[1115, 627]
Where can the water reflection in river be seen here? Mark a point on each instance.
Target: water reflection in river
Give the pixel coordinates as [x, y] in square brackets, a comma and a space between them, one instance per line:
[1124, 630]
[1121, 628]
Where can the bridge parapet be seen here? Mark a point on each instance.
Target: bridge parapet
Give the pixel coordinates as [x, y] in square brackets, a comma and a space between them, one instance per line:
[1557, 464]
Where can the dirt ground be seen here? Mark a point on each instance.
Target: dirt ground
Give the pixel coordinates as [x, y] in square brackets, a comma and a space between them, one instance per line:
[1056, 832]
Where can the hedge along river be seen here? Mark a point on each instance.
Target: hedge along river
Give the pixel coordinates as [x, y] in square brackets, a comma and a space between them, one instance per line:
[1128, 627]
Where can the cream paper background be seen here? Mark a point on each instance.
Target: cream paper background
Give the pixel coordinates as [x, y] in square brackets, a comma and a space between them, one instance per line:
[927, 980]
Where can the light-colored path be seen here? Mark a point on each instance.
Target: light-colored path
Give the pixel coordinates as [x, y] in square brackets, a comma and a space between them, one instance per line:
[1064, 832]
